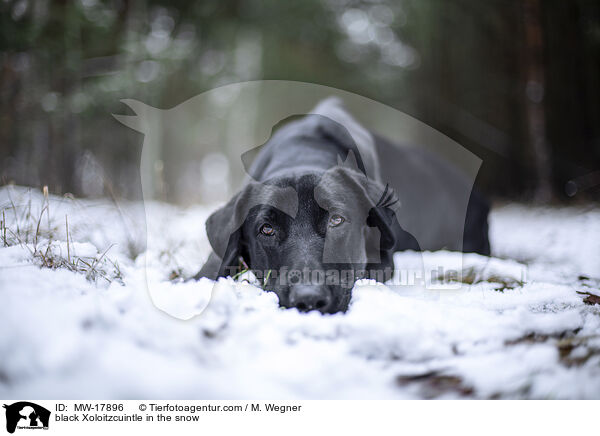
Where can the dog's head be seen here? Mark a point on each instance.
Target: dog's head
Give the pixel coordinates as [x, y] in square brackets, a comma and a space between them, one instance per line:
[309, 236]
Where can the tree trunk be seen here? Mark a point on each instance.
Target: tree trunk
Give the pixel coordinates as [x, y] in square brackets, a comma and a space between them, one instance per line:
[533, 66]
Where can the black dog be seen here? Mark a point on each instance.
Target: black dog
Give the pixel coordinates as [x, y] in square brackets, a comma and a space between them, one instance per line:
[323, 210]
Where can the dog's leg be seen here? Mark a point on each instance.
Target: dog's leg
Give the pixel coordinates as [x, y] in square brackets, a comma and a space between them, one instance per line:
[211, 268]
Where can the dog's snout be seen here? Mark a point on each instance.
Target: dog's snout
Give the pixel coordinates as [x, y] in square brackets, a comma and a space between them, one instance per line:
[307, 298]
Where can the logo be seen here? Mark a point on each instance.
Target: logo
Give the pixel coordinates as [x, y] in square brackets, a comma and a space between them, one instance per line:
[208, 149]
[26, 415]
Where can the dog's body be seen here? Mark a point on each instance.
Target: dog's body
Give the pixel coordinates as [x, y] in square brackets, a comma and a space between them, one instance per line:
[329, 197]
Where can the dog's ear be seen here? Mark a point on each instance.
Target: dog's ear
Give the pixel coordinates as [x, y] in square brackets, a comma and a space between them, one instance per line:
[224, 231]
[230, 264]
[383, 216]
[222, 224]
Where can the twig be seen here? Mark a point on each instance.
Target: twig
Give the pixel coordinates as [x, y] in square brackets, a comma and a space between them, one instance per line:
[45, 191]
[239, 274]
[4, 227]
[14, 208]
[243, 263]
[97, 261]
[37, 229]
[132, 240]
[267, 278]
[68, 249]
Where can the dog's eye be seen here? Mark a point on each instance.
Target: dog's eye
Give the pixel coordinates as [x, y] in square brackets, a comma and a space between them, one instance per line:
[267, 230]
[336, 220]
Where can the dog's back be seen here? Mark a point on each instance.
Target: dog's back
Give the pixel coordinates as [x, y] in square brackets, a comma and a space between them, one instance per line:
[437, 201]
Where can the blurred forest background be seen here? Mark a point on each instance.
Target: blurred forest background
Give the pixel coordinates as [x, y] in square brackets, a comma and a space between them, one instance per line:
[515, 82]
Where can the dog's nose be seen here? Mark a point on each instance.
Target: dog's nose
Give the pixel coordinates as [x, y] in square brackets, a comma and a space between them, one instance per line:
[307, 298]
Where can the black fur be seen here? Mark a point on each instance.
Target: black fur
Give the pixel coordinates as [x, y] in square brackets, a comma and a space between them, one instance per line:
[299, 185]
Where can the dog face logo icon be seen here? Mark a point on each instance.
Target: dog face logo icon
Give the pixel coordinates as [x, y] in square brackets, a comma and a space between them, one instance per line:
[26, 415]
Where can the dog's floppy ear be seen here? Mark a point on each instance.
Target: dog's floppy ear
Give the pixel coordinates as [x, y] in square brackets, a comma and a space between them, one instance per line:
[383, 216]
[225, 237]
[224, 226]
[224, 231]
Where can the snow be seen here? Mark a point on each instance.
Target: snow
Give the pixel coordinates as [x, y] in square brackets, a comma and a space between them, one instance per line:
[67, 333]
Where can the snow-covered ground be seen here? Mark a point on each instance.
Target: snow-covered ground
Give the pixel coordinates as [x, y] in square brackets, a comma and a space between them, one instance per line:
[84, 326]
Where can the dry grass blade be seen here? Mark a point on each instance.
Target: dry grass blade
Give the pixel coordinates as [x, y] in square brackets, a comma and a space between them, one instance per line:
[28, 232]
[68, 248]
